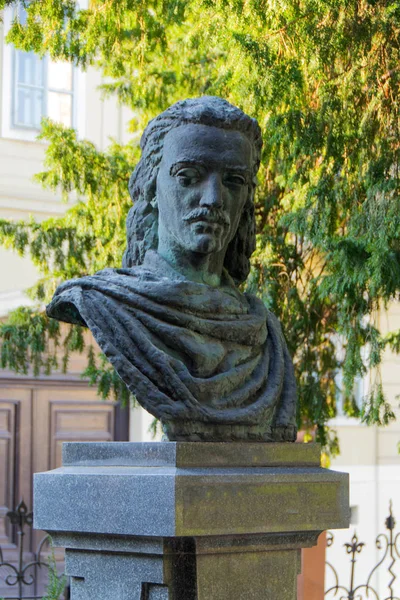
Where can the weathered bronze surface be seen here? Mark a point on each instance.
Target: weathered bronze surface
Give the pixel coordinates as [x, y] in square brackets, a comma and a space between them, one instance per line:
[206, 359]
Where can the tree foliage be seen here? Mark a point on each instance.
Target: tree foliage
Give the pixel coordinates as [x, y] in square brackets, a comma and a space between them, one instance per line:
[322, 77]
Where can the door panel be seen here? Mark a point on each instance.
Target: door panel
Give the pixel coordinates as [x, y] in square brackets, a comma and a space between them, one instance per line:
[15, 459]
[36, 417]
[8, 412]
[64, 415]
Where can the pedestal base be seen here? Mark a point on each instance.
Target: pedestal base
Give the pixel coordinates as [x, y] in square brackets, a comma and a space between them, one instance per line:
[254, 568]
[188, 521]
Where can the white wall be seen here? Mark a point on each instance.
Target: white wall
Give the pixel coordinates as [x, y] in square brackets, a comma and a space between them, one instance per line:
[20, 197]
[370, 455]
[140, 423]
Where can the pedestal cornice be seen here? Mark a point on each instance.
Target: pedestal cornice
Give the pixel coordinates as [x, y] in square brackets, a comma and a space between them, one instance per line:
[190, 489]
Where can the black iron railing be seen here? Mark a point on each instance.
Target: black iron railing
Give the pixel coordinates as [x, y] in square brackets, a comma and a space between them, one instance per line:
[23, 574]
[387, 543]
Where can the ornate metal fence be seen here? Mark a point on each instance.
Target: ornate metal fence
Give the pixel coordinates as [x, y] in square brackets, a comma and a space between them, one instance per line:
[389, 544]
[17, 577]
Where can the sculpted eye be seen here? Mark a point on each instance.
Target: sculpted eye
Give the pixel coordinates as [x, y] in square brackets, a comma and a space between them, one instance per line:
[234, 179]
[188, 176]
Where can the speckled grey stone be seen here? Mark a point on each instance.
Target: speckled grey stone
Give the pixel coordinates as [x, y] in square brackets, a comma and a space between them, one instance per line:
[117, 500]
[199, 522]
[187, 454]
[214, 568]
[119, 454]
[114, 576]
[101, 542]
[189, 500]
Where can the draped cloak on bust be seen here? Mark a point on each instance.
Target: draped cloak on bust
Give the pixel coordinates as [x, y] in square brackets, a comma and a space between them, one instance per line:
[194, 356]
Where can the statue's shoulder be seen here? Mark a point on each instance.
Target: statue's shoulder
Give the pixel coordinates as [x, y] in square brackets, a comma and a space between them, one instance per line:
[104, 277]
[66, 304]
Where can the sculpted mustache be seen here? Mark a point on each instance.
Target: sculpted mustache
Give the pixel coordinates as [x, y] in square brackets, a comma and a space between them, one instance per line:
[214, 216]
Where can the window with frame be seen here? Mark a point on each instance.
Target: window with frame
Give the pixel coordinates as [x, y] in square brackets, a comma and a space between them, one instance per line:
[41, 88]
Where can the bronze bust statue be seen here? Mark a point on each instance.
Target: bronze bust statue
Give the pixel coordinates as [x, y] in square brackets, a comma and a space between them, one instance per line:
[209, 361]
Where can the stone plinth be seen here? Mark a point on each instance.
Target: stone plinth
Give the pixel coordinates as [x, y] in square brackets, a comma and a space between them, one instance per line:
[188, 521]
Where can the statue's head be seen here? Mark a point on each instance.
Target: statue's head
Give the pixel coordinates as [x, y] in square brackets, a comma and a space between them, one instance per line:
[195, 183]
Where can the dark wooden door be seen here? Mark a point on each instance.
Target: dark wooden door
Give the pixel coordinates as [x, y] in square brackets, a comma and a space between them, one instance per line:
[36, 417]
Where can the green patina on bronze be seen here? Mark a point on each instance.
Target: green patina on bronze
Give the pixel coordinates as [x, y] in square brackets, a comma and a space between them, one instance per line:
[210, 362]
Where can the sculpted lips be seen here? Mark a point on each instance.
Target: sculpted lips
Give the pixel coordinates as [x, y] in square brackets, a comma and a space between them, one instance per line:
[209, 216]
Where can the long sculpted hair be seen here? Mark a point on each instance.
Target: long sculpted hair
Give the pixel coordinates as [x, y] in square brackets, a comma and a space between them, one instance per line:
[142, 221]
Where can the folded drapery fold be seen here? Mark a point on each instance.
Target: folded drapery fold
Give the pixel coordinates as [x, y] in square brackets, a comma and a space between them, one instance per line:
[187, 350]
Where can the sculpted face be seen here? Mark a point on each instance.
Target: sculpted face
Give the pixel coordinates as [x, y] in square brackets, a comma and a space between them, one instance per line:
[202, 187]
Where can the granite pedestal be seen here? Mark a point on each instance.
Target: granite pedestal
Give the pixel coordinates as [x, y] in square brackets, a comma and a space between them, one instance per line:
[188, 521]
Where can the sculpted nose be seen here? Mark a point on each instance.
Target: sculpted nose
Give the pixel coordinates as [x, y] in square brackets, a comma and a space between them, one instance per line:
[212, 192]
